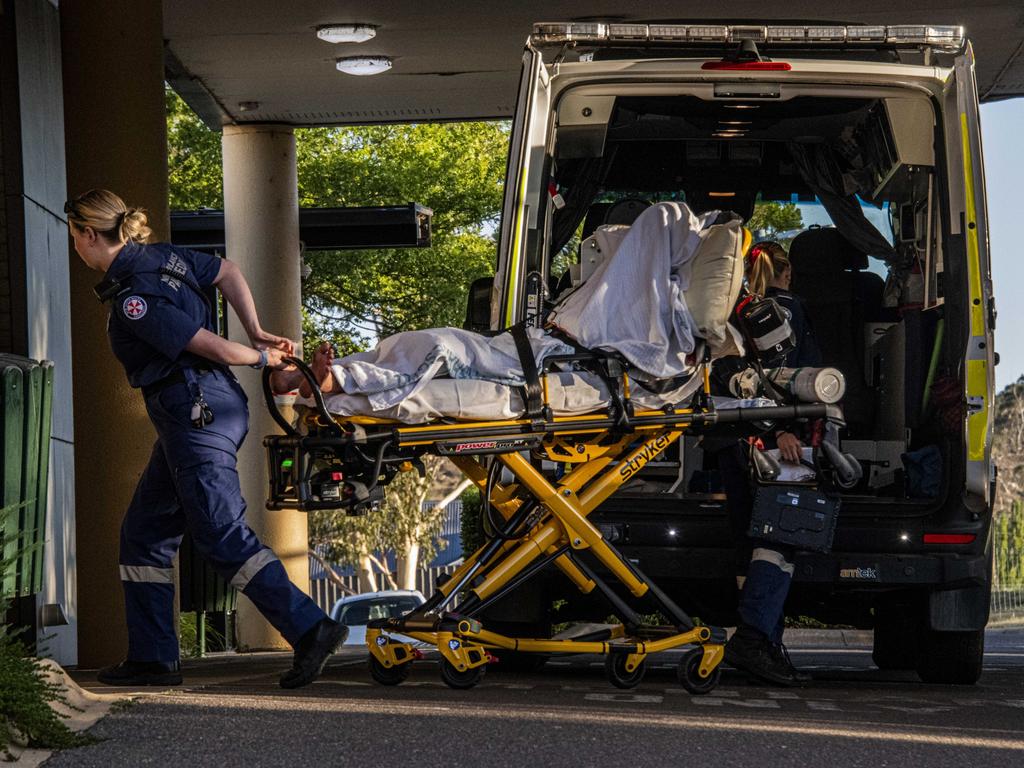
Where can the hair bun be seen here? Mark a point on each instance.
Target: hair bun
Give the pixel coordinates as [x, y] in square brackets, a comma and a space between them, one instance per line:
[135, 226]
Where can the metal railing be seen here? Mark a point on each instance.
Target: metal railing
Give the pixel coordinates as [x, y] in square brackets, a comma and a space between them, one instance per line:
[326, 592]
[1007, 581]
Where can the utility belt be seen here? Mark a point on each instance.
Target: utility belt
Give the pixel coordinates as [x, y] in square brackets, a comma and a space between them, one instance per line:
[178, 377]
[201, 413]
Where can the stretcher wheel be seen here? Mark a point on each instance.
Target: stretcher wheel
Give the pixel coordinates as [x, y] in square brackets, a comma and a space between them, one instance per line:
[688, 673]
[615, 668]
[389, 675]
[461, 679]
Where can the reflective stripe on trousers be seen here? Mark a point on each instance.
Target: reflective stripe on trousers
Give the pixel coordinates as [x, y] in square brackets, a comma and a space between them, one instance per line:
[251, 567]
[148, 574]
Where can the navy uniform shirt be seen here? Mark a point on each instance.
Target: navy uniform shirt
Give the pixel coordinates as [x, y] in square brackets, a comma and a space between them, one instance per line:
[806, 352]
[157, 314]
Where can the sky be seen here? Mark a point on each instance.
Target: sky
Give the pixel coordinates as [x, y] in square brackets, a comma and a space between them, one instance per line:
[1002, 131]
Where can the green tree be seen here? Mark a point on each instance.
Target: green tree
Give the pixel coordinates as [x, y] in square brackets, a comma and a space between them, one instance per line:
[456, 169]
[193, 159]
[354, 297]
[400, 525]
[770, 218]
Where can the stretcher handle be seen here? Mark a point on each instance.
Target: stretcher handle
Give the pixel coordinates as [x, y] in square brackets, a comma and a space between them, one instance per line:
[829, 411]
[318, 398]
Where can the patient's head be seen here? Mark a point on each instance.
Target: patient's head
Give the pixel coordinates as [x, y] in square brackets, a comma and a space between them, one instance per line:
[767, 266]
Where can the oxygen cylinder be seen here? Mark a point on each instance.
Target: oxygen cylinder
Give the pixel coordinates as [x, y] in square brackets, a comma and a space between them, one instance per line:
[810, 385]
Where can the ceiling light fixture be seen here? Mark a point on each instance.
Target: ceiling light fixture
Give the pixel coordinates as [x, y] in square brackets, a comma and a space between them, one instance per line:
[346, 33]
[363, 65]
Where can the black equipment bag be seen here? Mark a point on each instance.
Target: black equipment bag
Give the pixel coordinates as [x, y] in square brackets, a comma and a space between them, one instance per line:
[798, 516]
[765, 326]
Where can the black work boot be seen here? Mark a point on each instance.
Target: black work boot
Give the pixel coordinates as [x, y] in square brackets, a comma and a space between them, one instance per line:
[138, 673]
[781, 654]
[312, 652]
[749, 651]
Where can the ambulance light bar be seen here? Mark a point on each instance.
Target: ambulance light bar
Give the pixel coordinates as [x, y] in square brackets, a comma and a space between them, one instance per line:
[945, 37]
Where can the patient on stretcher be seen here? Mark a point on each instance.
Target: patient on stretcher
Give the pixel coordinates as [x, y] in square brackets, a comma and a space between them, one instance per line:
[664, 292]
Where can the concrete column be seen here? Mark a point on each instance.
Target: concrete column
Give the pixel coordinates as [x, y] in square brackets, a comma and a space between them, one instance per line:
[261, 219]
[116, 137]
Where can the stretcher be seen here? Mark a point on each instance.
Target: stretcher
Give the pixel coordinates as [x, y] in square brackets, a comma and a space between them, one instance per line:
[542, 516]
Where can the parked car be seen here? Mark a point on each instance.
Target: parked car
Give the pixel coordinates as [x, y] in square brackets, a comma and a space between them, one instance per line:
[355, 611]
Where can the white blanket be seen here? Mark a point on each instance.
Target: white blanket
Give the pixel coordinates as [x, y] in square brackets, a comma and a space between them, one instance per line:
[632, 304]
[402, 364]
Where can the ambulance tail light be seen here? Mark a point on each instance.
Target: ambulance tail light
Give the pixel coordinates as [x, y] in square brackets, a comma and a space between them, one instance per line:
[949, 538]
[750, 66]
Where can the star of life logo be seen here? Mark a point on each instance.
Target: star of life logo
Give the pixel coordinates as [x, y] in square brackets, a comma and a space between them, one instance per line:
[134, 307]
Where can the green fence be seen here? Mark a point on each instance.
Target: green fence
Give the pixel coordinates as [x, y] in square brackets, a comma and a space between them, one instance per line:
[26, 401]
[202, 590]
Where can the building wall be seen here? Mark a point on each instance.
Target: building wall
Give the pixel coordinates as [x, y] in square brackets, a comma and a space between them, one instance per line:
[37, 280]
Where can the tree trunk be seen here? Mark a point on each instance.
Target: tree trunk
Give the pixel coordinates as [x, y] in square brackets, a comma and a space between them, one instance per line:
[408, 564]
[367, 579]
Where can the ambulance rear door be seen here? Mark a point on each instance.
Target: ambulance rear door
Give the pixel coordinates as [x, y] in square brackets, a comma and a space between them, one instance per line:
[522, 211]
[968, 218]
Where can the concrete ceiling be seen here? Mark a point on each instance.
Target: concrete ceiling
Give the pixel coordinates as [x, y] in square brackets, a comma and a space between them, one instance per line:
[238, 61]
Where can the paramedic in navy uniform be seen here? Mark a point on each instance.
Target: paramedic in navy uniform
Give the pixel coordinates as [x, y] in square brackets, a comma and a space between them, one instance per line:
[766, 567]
[160, 330]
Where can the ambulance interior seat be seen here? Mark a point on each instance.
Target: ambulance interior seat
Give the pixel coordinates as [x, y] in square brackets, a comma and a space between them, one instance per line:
[622, 211]
[840, 298]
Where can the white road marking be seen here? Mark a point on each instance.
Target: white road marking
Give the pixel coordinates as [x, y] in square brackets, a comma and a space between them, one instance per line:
[625, 698]
[711, 701]
[823, 706]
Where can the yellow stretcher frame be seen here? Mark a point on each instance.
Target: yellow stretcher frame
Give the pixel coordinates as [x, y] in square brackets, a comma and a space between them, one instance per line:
[603, 452]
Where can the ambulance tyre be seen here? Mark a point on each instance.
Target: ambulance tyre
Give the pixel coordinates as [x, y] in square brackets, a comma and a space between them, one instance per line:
[895, 638]
[389, 675]
[951, 657]
[619, 676]
[688, 673]
[461, 679]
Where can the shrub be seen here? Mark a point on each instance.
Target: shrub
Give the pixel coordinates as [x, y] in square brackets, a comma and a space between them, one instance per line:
[25, 692]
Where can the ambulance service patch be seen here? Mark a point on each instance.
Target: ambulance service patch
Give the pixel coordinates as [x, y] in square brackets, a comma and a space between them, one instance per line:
[134, 307]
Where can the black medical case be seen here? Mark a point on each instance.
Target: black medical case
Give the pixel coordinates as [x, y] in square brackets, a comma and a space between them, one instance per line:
[799, 516]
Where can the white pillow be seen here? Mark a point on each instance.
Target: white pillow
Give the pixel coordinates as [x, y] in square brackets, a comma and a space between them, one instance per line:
[716, 274]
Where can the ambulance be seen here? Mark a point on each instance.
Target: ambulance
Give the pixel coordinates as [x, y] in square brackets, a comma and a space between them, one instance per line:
[876, 128]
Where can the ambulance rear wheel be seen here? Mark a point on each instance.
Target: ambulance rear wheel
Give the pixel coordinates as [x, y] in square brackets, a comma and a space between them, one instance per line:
[619, 676]
[461, 679]
[389, 675]
[688, 673]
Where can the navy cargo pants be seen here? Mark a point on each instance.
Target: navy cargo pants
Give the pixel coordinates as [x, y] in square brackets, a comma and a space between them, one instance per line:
[764, 569]
[191, 482]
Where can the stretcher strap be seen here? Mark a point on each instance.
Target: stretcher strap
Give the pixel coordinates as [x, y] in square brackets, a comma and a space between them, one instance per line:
[532, 389]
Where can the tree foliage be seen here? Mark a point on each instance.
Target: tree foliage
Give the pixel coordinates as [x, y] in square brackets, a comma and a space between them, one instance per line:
[194, 161]
[1008, 455]
[770, 218]
[456, 169]
[1008, 446]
